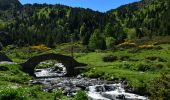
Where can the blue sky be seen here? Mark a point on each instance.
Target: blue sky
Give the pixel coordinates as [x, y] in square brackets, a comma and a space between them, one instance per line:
[99, 5]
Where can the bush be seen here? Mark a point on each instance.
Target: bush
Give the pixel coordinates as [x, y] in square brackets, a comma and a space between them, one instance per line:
[97, 41]
[149, 47]
[3, 68]
[94, 74]
[81, 95]
[40, 48]
[11, 94]
[124, 58]
[160, 88]
[158, 66]
[135, 50]
[143, 67]
[153, 58]
[110, 58]
[110, 41]
[46, 64]
[168, 65]
[58, 94]
[127, 45]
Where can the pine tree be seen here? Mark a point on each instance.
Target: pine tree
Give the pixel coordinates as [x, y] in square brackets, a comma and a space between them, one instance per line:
[97, 41]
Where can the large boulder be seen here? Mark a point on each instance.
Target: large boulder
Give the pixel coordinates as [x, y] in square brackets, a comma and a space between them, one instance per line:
[3, 57]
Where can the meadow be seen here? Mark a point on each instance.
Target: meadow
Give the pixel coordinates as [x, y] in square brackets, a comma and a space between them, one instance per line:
[139, 65]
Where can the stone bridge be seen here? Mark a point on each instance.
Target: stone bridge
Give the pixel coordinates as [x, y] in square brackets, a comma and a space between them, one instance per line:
[67, 61]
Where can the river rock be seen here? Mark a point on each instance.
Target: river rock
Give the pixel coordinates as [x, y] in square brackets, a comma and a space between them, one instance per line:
[96, 89]
[3, 57]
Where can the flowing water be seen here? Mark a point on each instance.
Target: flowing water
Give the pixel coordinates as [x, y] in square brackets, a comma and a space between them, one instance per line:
[96, 89]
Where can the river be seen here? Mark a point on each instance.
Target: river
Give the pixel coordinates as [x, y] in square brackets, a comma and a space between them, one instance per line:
[96, 89]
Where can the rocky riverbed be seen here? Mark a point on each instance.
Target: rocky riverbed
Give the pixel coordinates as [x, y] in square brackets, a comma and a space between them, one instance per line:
[96, 89]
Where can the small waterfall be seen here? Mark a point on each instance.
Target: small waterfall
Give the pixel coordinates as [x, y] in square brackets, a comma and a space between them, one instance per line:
[51, 72]
[111, 92]
[52, 78]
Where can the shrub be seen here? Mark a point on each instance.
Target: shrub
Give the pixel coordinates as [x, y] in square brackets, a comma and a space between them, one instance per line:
[11, 94]
[58, 94]
[127, 66]
[97, 41]
[168, 65]
[161, 59]
[46, 64]
[143, 67]
[127, 45]
[33, 92]
[110, 41]
[81, 95]
[155, 67]
[40, 47]
[124, 58]
[153, 58]
[135, 50]
[110, 58]
[158, 66]
[3, 68]
[160, 88]
[149, 47]
[94, 74]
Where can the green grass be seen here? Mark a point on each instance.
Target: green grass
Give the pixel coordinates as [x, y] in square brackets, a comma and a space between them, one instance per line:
[126, 69]
[14, 74]
[14, 86]
[129, 70]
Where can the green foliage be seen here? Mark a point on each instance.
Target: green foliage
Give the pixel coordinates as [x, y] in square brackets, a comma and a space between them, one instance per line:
[11, 94]
[81, 95]
[3, 68]
[83, 31]
[2, 25]
[131, 33]
[58, 94]
[53, 24]
[160, 88]
[108, 31]
[94, 74]
[13, 73]
[97, 41]
[110, 58]
[143, 67]
[128, 66]
[110, 41]
[46, 64]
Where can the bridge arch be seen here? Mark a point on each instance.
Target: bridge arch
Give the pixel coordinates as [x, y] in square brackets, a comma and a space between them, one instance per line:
[67, 61]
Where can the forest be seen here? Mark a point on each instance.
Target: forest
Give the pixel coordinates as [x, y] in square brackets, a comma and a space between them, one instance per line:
[55, 24]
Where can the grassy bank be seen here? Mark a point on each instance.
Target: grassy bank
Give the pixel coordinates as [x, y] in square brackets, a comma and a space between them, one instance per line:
[14, 86]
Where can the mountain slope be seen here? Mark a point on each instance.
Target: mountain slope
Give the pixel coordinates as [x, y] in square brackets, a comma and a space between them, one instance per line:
[145, 16]
[53, 24]
[6, 4]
